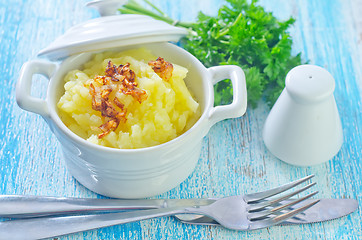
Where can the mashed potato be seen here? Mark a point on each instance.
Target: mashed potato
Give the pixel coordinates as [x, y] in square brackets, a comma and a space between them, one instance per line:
[168, 111]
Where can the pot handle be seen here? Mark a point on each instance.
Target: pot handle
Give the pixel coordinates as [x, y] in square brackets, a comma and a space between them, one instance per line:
[23, 86]
[238, 107]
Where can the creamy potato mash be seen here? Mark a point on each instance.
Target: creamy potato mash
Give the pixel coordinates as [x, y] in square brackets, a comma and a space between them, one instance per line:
[167, 110]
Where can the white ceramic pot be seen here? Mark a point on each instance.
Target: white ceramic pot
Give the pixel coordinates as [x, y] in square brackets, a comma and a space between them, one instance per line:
[134, 173]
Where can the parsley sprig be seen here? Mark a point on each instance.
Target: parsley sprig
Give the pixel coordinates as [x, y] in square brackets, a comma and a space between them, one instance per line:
[242, 34]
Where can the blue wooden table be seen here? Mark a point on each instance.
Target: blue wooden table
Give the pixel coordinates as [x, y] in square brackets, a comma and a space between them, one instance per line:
[234, 159]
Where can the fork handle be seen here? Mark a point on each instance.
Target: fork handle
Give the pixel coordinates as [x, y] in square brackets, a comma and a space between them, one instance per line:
[20, 206]
[47, 227]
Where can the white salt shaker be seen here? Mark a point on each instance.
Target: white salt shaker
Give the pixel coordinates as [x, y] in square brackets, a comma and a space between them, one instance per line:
[304, 128]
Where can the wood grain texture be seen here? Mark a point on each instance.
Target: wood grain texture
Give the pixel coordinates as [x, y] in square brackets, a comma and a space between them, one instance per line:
[233, 160]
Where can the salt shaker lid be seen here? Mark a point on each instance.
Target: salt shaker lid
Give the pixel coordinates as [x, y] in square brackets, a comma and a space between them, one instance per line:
[309, 83]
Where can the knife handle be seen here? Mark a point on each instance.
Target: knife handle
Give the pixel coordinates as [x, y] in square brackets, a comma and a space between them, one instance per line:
[47, 227]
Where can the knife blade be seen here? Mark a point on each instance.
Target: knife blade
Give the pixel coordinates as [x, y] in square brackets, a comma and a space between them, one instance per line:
[324, 210]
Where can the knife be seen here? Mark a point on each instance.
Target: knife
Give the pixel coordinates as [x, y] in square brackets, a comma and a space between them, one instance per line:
[324, 210]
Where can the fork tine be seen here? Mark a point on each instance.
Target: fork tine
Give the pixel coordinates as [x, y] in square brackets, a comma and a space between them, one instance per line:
[253, 197]
[280, 218]
[261, 214]
[257, 206]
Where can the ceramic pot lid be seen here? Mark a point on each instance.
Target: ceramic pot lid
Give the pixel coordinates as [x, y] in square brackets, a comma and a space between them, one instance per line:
[109, 32]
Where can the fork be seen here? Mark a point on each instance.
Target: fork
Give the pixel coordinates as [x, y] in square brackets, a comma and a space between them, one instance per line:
[242, 212]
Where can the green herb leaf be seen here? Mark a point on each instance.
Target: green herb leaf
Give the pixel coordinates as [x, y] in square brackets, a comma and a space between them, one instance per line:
[242, 34]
